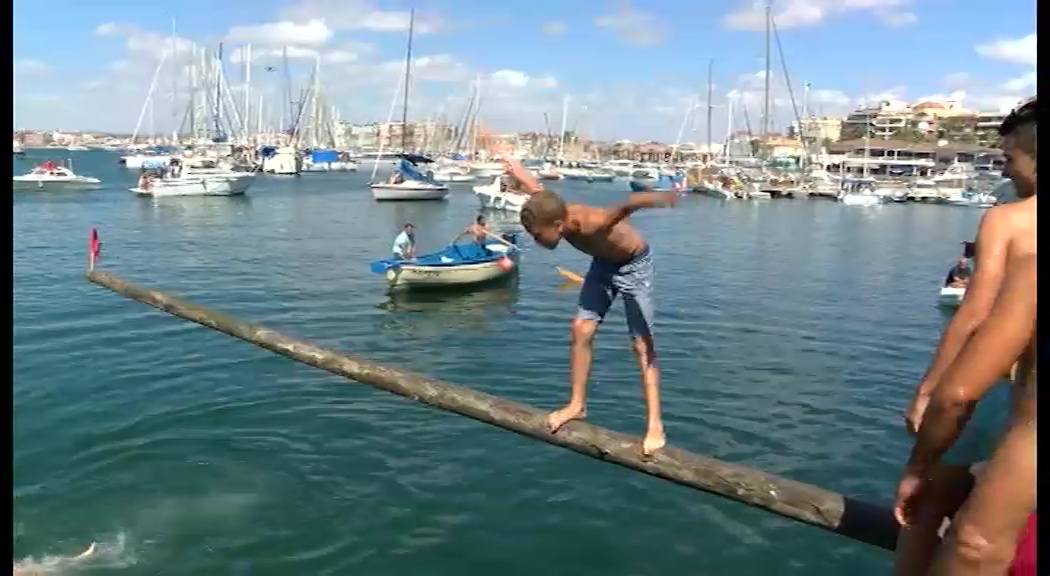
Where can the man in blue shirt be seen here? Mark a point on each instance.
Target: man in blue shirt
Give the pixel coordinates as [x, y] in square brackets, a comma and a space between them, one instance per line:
[405, 243]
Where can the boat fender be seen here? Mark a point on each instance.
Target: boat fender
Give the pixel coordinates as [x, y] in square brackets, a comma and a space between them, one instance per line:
[506, 264]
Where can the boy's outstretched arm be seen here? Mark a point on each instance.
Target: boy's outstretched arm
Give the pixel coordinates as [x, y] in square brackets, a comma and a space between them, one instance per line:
[636, 202]
[524, 177]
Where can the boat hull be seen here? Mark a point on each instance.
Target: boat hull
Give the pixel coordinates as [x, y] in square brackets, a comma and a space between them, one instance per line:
[414, 192]
[862, 200]
[492, 198]
[411, 276]
[951, 296]
[137, 161]
[330, 167]
[22, 183]
[226, 186]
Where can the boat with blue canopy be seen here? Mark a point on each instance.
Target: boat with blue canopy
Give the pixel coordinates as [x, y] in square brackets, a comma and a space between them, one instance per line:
[408, 183]
[458, 264]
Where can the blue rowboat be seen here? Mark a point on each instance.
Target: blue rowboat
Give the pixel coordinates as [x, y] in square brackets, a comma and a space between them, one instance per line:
[458, 264]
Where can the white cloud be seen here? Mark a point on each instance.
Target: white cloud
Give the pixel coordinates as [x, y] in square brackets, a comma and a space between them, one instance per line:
[956, 80]
[801, 13]
[1013, 51]
[554, 28]
[360, 15]
[634, 27]
[313, 33]
[30, 66]
[147, 44]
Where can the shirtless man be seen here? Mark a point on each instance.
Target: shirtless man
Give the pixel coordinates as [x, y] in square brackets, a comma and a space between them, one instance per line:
[984, 533]
[479, 229]
[622, 264]
[1006, 236]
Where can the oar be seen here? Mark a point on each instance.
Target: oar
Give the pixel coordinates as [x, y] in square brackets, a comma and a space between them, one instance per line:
[569, 275]
[501, 239]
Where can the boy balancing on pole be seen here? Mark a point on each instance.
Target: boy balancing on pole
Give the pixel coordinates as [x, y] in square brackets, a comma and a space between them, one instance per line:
[622, 264]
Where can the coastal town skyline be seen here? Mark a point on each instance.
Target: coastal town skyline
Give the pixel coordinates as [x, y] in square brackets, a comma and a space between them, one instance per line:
[629, 73]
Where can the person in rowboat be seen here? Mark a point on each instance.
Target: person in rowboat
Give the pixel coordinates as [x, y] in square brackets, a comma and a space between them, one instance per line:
[405, 243]
[479, 229]
[931, 490]
[959, 275]
[621, 264]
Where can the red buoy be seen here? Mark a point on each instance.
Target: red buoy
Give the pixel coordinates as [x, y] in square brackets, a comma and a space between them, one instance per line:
[506, 263]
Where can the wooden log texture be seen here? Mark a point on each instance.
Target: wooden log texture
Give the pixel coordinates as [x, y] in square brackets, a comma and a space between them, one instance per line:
[808, 504]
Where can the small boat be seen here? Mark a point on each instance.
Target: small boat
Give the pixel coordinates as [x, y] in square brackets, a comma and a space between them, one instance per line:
[951, 296]
[408, 183]
[462, 264]
[494, 196]
[50, 176]
[163, 181]
[328, 161]
[283, 161]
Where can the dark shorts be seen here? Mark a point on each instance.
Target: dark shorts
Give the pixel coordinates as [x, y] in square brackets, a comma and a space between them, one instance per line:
[633, 279]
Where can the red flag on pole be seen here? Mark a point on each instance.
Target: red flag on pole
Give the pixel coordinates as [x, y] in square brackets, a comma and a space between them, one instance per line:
[95, 247]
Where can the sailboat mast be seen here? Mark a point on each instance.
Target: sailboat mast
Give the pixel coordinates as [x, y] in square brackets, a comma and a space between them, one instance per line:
[247, 89]
[765, 102]
[710, 76]
[408, 74]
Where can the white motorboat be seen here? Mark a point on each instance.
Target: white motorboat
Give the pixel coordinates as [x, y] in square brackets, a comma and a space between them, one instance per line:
[284, 161]
[49, 176]
[190, 183]
[951, 296]
[493, 197]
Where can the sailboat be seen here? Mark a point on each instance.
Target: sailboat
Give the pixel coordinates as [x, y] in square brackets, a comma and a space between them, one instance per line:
[407, 182]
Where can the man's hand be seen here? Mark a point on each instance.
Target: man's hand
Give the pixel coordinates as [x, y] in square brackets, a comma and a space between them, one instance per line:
[907, 490]
[913, 415]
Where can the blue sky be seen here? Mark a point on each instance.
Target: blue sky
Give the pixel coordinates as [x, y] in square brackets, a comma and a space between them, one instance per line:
[632, 70]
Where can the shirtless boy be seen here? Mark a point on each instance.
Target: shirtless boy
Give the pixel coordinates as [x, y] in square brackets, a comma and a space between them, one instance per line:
[622, 264]
[1005, 239]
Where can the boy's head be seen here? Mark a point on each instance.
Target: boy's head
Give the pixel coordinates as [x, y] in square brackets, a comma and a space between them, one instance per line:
[480, 220]
[543, 216]
[1018, 142]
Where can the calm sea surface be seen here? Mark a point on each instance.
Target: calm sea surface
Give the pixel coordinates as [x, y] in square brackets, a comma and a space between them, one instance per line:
[790, 336]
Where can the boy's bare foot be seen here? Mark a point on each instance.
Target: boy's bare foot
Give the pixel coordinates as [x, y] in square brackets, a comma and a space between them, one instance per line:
[559, 418]
[654, 440]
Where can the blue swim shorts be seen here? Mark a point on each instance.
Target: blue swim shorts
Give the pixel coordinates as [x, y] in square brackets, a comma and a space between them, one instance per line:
[633, 279]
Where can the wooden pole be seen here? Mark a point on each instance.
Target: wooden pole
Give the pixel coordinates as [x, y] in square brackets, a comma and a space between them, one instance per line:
[807, 504]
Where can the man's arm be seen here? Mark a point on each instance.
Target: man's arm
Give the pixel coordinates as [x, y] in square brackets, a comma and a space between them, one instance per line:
[995, 346]
[526, 181]
[992, 239]
[636, 202]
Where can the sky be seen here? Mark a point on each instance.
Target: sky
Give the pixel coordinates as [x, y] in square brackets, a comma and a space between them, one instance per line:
[630, 70]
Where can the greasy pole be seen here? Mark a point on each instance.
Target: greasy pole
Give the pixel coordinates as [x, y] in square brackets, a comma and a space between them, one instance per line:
[808, 504]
